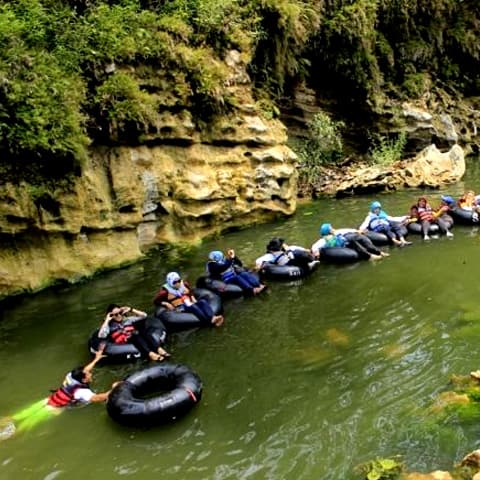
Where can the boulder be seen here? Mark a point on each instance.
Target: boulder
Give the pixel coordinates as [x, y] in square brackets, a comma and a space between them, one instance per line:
[430, 168]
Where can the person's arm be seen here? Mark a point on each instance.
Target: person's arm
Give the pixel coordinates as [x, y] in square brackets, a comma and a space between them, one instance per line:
[440, 211]
[86, 395]
[233, 259]
[232, 256]
[268, 257]
[100, 397]
[133, 315]
[103, 397]
[189, 292]
[236, 261]
[317, 246]
[98, 356]
[134, 311]
[104, 329]
[364, 226]
[161, 299]
[397, 219]
[297, 248]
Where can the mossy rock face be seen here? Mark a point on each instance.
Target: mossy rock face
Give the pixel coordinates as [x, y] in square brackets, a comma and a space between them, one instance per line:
[393, 469]
[463, 402]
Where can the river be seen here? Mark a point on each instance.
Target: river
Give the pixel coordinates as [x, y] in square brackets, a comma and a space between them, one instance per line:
[303, 382]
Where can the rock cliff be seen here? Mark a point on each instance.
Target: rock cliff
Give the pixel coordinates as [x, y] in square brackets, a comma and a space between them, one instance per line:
[181, 185]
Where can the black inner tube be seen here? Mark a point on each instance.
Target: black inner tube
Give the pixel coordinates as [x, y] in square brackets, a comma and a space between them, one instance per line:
[155, 395]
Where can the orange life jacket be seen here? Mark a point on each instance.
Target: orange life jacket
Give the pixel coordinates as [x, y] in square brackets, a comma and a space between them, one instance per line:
[177, 297]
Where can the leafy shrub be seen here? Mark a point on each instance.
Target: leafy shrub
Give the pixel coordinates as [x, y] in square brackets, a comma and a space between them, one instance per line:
[40, 109]
[40, 103]
[416, 85]
[386, 151]
[382, 469]
[323, 146]
[120, 99]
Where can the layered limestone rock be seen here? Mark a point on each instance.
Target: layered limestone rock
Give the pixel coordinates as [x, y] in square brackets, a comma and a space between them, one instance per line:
[438, 117]
[430, 168]
[443, 121]
[234, 173]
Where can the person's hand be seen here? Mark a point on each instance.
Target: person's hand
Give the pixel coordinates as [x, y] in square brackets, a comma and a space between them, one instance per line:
[124, 310]
[109, 317]
[114, 384]
[168, 306]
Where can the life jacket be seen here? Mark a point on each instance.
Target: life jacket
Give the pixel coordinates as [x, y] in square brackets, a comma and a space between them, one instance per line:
[121, 333]
[177, 296]
[227, 274]
[64, 395]
[426, 214]
[378, 223]
[335, 241]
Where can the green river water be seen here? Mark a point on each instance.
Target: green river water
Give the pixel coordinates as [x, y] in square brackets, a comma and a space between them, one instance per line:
[304, 382]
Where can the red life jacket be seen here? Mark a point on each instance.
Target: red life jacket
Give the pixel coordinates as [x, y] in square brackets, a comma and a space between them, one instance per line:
[122, 333]
[64, 395]
[424, 214]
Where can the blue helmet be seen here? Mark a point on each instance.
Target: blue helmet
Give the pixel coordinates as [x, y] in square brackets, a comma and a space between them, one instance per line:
[448, 199]
[325, 229]
[216, 256]
[375, 205]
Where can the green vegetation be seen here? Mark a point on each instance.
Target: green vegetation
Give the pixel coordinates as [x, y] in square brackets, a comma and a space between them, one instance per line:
[323, 145]
[121, 100]
[385, 151]
[364, 46]
[382, 469]
[82, 72]
[69, 76]
[462, 403]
